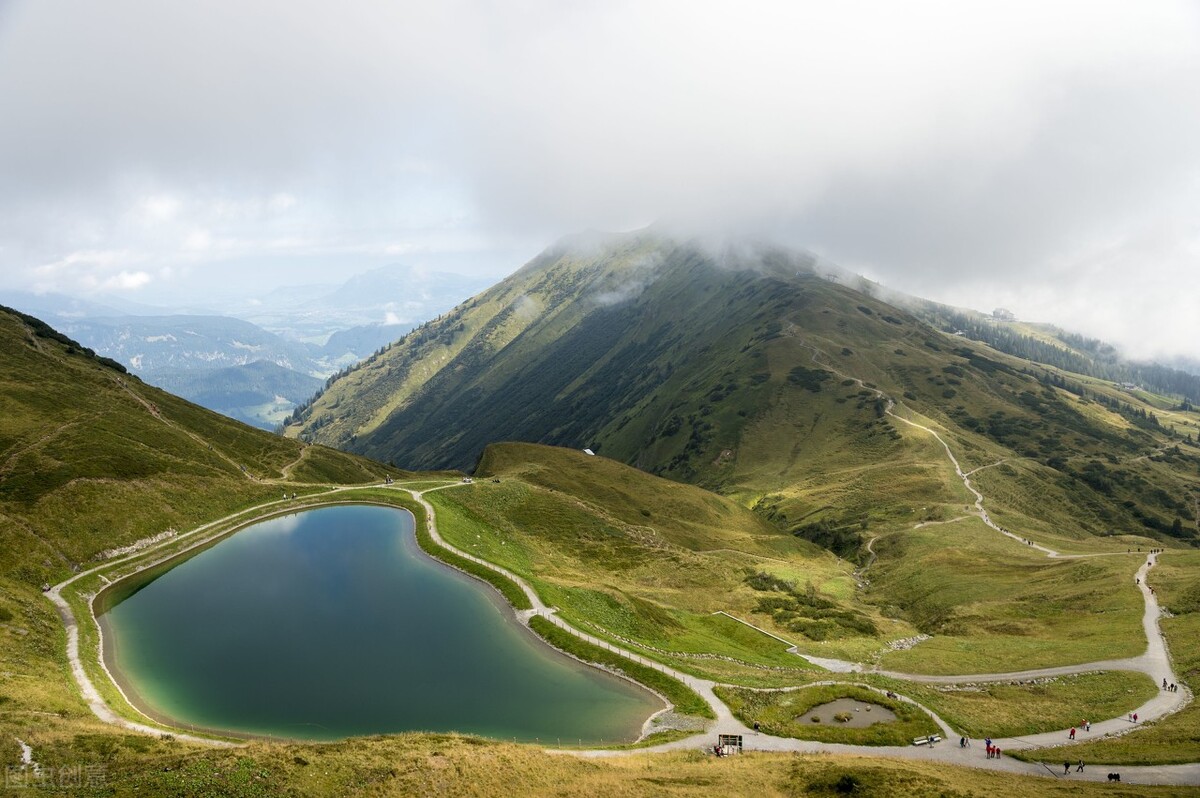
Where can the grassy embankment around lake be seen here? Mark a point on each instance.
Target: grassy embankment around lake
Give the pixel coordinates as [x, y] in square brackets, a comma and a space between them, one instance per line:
[123, 578]
[684, 699]
[647, 568]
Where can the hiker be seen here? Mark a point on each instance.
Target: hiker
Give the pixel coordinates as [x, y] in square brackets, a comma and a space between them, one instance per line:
[755, 725]
[1087, 725]
[1071, 736]
[996, 751]
[929, 740]
[988, 741]
[1135, 717]
[1066, 768]
[962, 742]
[1164, 684]
[1080, 768]
[989, 751]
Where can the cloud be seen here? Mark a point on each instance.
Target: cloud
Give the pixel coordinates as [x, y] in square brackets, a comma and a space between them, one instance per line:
[968, 150]
[158, 209]
[125, 281]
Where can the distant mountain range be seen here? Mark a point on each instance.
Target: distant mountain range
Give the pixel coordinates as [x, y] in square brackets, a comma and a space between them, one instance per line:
[257, 361]
[388, 296]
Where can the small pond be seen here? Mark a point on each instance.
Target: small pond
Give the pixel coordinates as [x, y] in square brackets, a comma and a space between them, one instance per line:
[861, 714]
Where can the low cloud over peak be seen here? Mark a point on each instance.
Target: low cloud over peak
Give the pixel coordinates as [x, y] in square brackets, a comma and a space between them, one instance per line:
[1041, 156]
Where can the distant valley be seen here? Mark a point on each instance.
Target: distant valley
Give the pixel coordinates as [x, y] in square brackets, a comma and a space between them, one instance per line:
[259, 358]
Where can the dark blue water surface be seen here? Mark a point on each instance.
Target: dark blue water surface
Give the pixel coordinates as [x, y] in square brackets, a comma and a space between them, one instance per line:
[331, 623]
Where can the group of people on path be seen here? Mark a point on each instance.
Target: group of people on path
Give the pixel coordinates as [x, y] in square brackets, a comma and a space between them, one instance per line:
[1170, 688]
[1086, 726]
[993, 751]
[1067, 767]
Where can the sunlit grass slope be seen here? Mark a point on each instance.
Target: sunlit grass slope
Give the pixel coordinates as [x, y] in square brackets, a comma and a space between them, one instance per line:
[996, 605]
[641, 559]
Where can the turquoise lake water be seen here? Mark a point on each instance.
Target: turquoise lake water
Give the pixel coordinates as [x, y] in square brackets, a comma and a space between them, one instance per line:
[332, 623]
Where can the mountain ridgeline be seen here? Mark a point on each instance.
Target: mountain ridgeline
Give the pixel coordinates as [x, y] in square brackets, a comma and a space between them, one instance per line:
[744, 371]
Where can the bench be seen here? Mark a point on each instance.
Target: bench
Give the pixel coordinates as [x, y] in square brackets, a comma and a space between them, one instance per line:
[925, 739]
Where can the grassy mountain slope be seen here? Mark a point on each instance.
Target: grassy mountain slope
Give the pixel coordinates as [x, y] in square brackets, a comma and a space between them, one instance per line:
[733, 371]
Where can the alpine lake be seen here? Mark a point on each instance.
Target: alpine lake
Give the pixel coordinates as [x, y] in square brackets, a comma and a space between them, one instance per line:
[331, 623]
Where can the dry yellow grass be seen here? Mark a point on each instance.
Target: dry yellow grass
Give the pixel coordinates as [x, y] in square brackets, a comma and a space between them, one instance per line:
[429, 765]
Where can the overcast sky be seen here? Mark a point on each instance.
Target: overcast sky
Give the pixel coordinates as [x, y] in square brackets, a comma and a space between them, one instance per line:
[1041, 156]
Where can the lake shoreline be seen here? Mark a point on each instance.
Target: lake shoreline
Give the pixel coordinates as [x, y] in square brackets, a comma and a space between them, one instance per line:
[127, 586]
